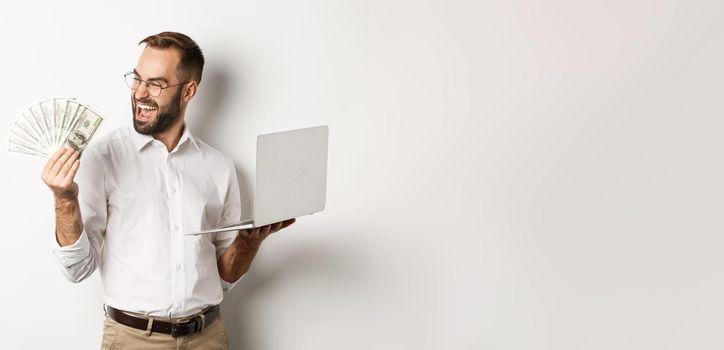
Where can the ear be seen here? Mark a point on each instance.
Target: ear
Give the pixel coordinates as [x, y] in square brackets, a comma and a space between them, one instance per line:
[190, 91]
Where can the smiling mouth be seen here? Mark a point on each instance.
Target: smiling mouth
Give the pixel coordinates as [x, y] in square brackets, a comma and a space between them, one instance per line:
[145, 112]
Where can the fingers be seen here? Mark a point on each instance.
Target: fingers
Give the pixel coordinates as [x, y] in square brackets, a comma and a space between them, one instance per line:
[69, 164]
[261, 233]
[264, 230]
[53, 159]
[60, 170]
[275, 227]
[250, 232]
[288, 223]
[280, 225]
[258, 233]
[61, 161]
[73, 170]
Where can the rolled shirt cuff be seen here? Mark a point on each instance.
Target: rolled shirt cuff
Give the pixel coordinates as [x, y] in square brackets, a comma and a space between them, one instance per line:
[72, 254]
[226, 286]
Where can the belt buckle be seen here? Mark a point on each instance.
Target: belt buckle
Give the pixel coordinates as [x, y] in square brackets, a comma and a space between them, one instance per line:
[199, 323]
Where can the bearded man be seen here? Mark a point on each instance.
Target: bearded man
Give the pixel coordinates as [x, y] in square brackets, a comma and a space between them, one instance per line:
[138, 190]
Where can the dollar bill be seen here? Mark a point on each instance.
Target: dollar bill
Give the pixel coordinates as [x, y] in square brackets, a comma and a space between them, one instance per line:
[48, 125]
[83, 130]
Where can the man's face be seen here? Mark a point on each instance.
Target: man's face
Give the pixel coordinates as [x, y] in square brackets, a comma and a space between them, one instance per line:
[152, 115]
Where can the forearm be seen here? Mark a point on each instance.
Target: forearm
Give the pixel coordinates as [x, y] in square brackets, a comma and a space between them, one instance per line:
[68, 223]
[236, 260]
[78, 257]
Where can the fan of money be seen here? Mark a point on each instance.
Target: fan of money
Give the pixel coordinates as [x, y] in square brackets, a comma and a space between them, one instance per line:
[46, 126]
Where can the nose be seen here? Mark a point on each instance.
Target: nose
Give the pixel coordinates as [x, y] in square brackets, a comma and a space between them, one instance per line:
[141, 91]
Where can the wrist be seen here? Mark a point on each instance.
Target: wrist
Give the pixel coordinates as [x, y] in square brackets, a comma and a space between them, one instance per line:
[65, 201]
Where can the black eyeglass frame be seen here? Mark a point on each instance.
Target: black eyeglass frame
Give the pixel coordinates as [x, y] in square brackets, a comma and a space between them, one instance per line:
[135, 78]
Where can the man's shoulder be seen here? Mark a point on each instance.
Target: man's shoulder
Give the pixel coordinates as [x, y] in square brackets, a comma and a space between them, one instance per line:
[211, 154]
[216, 165]
[113, 139]
[107, 144]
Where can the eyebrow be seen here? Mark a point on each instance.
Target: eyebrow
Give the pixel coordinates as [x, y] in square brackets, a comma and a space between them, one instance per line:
[151, 79]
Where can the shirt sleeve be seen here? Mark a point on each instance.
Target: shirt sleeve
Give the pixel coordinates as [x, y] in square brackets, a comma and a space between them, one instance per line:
[80, 260]
[229, 215]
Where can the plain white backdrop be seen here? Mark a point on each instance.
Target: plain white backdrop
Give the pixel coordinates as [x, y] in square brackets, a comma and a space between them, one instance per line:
[502, 174]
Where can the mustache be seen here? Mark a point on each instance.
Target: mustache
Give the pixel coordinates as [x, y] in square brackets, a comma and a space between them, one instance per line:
[146, 101]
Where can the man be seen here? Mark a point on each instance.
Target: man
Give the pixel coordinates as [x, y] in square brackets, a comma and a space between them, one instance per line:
[138, 190]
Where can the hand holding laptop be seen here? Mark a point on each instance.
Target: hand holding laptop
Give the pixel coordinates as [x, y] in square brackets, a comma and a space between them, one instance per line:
[254, 236]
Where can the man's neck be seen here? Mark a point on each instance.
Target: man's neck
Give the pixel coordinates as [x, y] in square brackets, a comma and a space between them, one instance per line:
[171, 136]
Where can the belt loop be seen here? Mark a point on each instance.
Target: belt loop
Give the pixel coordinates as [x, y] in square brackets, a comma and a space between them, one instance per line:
[203, 322]
[150, 326]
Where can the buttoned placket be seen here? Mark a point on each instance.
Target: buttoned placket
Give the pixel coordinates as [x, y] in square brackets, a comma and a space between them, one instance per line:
[175, 222]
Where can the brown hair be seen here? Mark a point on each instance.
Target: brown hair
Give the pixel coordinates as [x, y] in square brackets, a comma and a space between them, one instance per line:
[192, 59]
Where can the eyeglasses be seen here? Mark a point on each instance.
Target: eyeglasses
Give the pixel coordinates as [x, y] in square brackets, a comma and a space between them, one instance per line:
[154, 88]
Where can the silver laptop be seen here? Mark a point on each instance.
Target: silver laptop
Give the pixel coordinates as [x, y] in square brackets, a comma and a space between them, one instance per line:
[291, 177]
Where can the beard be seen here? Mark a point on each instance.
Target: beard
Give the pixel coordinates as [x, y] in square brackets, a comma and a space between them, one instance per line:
[165, 115]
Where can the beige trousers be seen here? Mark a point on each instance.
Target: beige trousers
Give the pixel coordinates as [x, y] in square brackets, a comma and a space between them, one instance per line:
[120, 337]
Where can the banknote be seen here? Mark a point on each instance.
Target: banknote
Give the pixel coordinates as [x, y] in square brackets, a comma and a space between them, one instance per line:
[45, 127]
[84, 129]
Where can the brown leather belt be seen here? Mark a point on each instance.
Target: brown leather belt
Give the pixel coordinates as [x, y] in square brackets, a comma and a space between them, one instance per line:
[175, 329]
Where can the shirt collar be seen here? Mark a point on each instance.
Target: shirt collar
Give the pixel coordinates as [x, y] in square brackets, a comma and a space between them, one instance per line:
[186, 135]
[141, 140]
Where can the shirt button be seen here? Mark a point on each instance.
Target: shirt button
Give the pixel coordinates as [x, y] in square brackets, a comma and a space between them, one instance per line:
[173, 190]
[178, 305]
[178, 266]
[175, 227]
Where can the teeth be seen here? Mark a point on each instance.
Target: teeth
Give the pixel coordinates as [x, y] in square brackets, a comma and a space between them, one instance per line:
[146, 107]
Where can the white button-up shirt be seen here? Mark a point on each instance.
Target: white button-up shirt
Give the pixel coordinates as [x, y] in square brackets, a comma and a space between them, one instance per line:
[136, 200]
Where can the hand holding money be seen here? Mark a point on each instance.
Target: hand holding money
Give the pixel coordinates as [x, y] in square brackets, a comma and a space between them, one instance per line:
[60, 171]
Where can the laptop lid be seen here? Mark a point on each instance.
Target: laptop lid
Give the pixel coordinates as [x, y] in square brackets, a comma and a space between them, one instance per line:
[291, 174]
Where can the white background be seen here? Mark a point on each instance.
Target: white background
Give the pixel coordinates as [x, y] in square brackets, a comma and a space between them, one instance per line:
[502, 174]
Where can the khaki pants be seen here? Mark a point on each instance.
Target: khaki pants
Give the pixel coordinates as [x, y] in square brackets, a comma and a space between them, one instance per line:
[120, 337]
